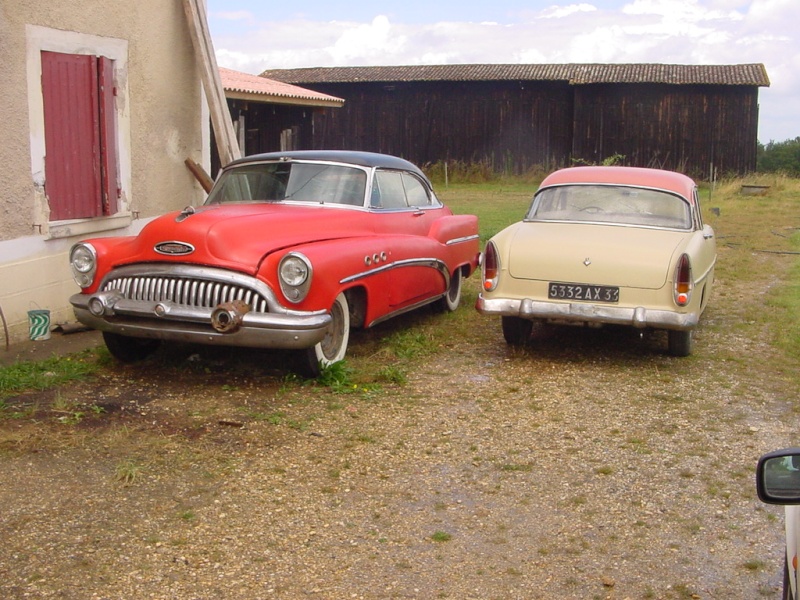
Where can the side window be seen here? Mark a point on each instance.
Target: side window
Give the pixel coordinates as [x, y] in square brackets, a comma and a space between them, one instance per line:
[698, 216]
[416, 193]
[388, 191]
[80, 136]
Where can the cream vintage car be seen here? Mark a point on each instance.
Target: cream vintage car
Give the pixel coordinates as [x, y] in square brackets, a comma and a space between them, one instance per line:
[604, 245]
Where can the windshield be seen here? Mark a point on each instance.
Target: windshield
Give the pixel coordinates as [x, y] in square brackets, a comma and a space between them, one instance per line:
[291, 181]
[614, 204]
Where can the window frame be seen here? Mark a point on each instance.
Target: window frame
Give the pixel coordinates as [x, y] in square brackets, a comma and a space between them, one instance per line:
[40, 39]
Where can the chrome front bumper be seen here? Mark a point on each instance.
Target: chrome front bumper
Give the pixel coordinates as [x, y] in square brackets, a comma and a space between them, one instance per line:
[577, 313]
[166, 320]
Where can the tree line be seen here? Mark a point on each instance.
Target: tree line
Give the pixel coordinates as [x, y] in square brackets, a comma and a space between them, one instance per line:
[779, 157]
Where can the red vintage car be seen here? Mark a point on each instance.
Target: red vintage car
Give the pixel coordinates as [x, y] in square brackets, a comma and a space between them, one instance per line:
[290, 251]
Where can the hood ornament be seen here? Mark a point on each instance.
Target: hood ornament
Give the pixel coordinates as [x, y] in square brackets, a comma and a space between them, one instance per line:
[185, 213]
[587, 261]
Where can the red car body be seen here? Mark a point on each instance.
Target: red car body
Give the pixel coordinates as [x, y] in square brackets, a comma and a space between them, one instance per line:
[229, 272]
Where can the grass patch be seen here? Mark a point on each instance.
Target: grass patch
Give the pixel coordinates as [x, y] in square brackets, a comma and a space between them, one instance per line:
[27, 375]
[441, 536]
[127, 472]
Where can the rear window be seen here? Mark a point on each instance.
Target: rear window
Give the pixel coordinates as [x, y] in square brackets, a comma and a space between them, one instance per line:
[613, 204]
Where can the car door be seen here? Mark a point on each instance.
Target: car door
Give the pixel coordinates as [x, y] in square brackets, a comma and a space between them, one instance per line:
[404, 211]
[702, 248]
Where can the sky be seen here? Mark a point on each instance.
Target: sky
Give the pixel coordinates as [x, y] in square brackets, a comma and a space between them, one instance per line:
[254, 35]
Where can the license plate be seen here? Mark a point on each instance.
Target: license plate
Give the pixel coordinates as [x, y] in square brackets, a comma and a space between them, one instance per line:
[582, 292]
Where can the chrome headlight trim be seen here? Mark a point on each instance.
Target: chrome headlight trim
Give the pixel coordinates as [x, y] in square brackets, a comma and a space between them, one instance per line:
[295, 274]
[83, 262]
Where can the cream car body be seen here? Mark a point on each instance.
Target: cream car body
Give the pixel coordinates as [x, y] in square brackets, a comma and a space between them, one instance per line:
[604, 245]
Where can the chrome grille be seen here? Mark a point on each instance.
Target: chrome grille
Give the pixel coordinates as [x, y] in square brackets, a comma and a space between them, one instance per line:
[195, 293]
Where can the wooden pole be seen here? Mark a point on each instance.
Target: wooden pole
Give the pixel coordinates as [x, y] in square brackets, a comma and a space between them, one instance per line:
[227, 146]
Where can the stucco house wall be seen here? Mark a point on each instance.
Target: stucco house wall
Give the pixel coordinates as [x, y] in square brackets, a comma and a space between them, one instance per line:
[160, 121]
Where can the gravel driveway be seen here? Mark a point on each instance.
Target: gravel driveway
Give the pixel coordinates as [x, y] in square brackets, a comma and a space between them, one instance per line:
[587, 465]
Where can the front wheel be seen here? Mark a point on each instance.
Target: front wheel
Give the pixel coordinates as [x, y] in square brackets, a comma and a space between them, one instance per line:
[129, 349]
[333, 346]
[680, 342]
[516, 330]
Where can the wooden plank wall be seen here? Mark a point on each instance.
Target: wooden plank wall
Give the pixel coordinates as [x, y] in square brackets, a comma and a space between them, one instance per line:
[699, 130]
[510, 125]
[517, 126]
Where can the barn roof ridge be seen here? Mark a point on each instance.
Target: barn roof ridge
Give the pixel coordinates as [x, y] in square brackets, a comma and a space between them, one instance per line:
[573, 73]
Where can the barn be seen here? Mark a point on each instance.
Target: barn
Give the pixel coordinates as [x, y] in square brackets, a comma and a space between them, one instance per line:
[697, 119]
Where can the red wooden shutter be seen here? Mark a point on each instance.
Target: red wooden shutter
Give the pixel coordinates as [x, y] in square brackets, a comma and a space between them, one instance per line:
[108, 136]
[72, 135]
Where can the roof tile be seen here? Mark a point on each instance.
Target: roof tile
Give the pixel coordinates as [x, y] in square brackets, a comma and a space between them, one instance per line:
[575, 74]
[235, 81]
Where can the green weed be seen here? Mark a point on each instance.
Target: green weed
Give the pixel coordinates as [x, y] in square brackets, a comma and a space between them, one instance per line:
[441, 536]
[40, 375]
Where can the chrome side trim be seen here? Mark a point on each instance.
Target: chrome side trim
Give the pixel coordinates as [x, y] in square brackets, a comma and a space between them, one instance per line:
[433, 263]
[461, 240]
[404, 310]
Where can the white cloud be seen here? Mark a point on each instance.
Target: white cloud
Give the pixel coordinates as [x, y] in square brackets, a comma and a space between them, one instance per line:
[371, 43]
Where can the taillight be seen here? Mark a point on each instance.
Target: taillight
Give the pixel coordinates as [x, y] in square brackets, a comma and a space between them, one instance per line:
[490, 267]
[683, 281]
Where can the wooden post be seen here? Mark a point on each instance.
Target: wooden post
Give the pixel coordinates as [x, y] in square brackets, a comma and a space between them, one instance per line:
[227, 146]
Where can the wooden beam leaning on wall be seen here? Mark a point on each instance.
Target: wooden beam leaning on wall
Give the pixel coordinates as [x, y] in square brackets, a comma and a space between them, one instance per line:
[200, 174]
[227, 146]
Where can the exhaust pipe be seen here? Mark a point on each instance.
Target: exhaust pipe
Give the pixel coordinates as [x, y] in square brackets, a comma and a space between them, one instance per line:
[228, 316]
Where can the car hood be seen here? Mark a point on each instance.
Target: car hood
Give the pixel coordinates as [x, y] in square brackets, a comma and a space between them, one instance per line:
[595, 254]
[240, 236]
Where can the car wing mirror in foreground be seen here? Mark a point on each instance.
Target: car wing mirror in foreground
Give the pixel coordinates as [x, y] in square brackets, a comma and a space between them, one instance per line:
[778, 477]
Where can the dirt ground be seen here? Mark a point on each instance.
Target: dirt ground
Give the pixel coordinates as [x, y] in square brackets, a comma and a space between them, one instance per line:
[588, 465]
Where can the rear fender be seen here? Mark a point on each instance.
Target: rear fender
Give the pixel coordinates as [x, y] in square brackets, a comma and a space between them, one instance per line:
[459, 234]
[453, 227]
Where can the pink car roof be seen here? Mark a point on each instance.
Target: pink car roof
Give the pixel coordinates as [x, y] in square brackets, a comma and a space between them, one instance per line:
[635, 176]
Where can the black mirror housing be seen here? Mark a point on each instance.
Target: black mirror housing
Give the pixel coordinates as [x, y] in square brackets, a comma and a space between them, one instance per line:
[778, 477]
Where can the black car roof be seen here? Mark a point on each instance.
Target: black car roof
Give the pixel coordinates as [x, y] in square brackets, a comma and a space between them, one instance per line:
[363, 159]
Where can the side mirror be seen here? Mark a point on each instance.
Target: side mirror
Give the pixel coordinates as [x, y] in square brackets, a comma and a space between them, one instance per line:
[778, 477]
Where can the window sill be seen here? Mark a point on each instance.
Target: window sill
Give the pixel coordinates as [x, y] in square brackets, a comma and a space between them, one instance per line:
[57, 230]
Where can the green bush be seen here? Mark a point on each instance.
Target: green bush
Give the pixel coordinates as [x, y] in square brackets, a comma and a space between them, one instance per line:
[780, 157]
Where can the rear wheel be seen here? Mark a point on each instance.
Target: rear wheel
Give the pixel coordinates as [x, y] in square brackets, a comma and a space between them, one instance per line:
[450, 301]
[680, 342]
[129, 349]
[333, 346]
[516, 330]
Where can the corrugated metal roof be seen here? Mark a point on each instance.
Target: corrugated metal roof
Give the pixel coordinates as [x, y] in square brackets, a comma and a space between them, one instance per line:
[270, 90]
[575, 74]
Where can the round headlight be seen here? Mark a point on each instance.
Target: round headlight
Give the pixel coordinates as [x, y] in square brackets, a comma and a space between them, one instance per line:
[294, 271]
[294, 275]
[83, 260]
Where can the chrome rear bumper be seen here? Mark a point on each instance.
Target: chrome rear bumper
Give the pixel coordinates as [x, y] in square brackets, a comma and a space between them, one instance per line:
[576, 312]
